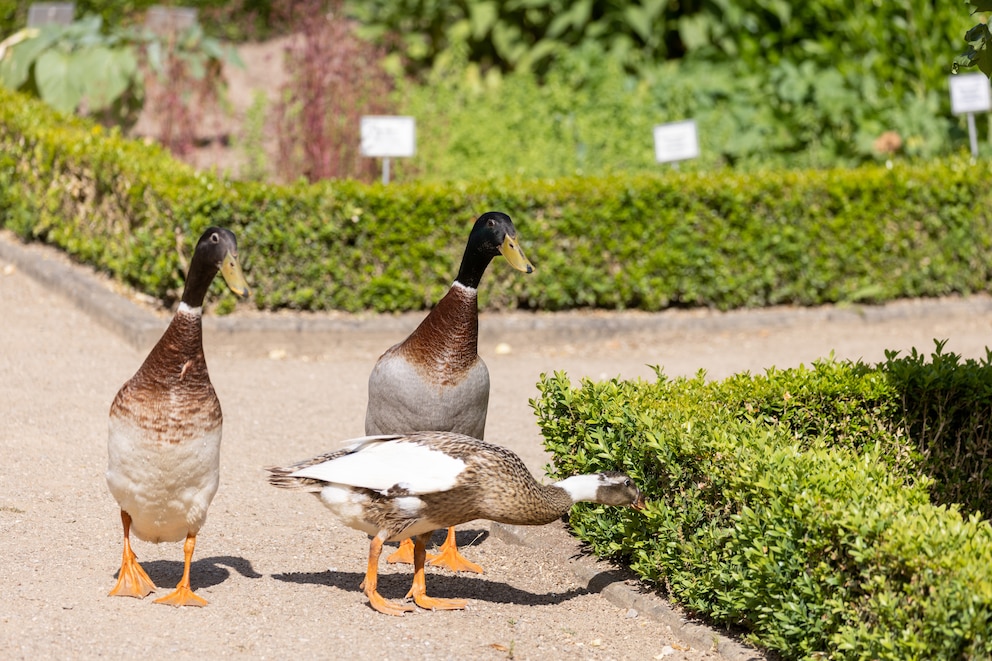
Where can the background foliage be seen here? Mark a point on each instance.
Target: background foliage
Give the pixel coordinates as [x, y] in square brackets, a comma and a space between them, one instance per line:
[549, 88]
[648, 242]
[769, 83]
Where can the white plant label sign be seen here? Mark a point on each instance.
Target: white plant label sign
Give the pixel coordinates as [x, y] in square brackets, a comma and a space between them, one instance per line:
[676, 141]
[970, 92]
[386, 136]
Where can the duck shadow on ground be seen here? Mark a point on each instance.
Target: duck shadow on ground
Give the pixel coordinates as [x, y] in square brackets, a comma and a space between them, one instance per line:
[445, 586]
[204, 573]
[440, 582]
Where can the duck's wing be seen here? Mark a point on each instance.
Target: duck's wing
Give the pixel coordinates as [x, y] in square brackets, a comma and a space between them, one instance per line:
[389, 465]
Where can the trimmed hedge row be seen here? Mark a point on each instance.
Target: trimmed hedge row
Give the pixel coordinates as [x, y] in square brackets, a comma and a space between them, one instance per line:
[720, 240]
[791, 504]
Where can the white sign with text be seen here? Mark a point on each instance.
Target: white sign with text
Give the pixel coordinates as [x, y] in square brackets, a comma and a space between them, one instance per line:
[676, 141]
[386, 136]
[970, 92]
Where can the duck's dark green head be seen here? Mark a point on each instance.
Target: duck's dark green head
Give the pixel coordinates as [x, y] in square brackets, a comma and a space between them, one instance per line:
[493, 234]
[217, 250]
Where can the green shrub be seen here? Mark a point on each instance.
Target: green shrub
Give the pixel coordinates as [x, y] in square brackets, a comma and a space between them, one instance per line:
[768, 512]
[945, 405]
[652, 242]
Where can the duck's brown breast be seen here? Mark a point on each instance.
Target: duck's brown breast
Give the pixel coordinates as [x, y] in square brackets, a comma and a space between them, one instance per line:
[170, 396]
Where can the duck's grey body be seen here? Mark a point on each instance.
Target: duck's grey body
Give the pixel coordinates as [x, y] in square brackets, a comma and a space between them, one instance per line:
[435, 379]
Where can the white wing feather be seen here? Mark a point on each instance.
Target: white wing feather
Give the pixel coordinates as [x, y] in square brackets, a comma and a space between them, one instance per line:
[379, 463]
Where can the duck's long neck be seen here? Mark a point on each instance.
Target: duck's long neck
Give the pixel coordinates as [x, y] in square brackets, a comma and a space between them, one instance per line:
[537, 505]
[201, 273]
[448, 338]
[178, 356]
[473, 266]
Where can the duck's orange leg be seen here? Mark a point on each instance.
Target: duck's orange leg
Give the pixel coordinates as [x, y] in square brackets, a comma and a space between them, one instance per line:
[132, 581]
[419, 589]
[183, 594]
[450, 558]
[371, 584]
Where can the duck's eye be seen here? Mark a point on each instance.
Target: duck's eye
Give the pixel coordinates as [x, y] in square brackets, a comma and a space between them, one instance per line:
[626, 482]
[214, 238]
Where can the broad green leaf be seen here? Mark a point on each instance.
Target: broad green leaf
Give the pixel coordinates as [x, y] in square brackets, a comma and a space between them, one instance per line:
[24, 47]
[694, 31]
[156, 57]
[482, 16]
[539, 51]
[56, 81]
[575, 18]
[211, 48]
[232, 56]
[641, 20]
[104, 75]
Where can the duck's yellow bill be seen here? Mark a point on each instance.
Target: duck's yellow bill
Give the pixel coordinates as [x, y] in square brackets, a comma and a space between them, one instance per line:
[235, 279]
[515, 255]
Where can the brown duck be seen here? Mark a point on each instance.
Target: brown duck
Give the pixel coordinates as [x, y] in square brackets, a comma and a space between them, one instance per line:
[165, 430]
[435, 380]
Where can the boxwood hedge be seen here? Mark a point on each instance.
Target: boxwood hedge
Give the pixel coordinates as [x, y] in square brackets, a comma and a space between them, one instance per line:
[717, 239]
[796, 504]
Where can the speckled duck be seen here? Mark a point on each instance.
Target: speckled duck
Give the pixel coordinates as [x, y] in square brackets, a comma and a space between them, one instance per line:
[400, 486]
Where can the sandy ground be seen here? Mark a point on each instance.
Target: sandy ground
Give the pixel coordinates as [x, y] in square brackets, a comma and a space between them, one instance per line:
[281, 575]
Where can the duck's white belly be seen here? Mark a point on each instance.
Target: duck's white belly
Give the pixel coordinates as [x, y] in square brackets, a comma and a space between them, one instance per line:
[400, 401]
[166, 488]
[349, 505]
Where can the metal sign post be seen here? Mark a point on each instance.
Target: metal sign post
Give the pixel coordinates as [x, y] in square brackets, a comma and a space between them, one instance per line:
[970, 93]
[386, 137]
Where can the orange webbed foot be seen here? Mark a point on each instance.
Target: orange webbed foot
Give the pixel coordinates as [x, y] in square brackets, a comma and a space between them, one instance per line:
[182, 596]
[404, 554]
[132, 580]
[387, 607]
[450, 558]
[433, 603]
[419, 588]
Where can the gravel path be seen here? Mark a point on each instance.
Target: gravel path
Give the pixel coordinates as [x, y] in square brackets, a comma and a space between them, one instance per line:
[281, 575]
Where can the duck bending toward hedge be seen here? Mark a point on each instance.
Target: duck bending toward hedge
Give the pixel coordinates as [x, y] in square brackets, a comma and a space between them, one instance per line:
[165, 430]
[401, 486]
[434, 379]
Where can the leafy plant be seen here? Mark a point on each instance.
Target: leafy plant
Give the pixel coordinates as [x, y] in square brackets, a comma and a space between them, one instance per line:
[335, 78]
[79, 68]
[522, 36]
[678, 239]
[251, 141]
[945, 403]
[185, 79]
[75, 67]
[977, 53]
